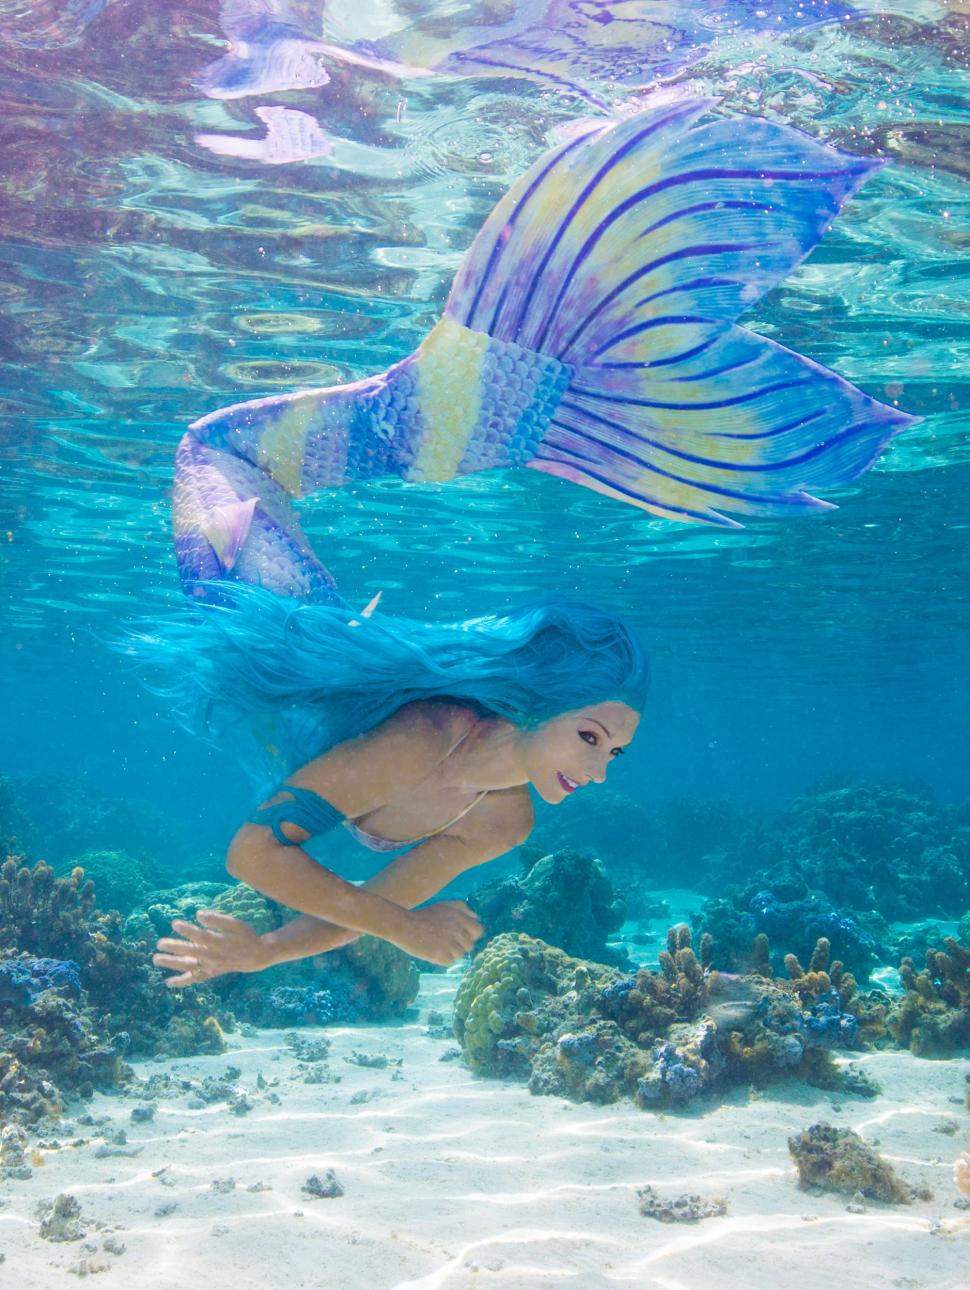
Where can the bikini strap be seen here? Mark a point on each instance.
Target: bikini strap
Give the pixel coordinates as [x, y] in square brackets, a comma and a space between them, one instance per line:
[307, 810]
[461, 738]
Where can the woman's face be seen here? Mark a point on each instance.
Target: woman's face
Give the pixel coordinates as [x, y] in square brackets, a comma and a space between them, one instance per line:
[571, 751]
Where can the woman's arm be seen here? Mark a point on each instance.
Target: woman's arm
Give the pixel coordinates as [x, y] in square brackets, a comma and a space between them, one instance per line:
[501, 821]
[219, 943]
[441, 933]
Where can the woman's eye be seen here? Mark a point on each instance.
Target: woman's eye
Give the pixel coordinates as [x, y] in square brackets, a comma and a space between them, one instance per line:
[589, 736]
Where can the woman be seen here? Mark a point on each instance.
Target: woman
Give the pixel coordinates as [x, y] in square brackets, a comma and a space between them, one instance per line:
[445, 780]
[590, 334]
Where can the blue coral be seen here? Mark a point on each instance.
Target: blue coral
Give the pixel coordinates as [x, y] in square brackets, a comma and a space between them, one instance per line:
[23, 980]
[828, 1025]
[671, 1080]
[578, 1048]
[800, 923]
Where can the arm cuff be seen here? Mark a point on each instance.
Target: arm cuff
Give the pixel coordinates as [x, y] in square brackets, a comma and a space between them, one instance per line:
[307, 810]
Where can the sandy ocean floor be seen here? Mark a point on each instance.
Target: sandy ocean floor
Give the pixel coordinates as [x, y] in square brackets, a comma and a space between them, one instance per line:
[451, 1181]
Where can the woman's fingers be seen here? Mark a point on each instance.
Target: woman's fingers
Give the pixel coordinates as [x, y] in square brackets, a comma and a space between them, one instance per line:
[180, 961]
[178, 982]
[192, 932]
[169, 945]
[219, 922]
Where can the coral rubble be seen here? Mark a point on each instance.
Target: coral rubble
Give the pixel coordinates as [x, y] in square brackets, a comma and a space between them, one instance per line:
[678, 1209]
[839, 1160]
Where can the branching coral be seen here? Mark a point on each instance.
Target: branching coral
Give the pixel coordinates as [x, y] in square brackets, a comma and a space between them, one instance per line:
[44, 914]
[77, 996]
[932, 1018]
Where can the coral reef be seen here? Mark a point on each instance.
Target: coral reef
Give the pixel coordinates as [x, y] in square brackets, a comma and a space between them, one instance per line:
[75, 818]
[839, 1160]
[183, 901]
[76, 998]
[587, 1031]
[932, 1018]
[859, 846]
[120, 880]
[384, 980]
[790, 915]
[564, 899]
[16, 830]
[368, 980]
[913, 941]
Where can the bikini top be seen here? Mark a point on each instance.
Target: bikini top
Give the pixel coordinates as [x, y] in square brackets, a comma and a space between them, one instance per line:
[314, 814]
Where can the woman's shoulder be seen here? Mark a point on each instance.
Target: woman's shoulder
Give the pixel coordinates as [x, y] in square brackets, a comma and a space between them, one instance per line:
[436, 722]
[394, 757]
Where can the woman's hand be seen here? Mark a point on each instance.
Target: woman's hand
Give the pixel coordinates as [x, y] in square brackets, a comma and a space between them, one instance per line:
[214, 945]
[440, 933]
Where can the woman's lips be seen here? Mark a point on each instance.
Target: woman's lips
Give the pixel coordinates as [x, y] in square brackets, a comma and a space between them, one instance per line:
[565, 783]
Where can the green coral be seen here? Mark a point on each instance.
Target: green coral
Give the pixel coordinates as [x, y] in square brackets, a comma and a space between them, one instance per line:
[499, 994]
[244, 902]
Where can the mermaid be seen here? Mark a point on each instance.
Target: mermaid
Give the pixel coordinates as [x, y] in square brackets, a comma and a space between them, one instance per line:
[590, 334]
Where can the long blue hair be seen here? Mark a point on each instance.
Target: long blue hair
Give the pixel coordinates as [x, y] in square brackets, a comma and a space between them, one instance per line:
[283, 681]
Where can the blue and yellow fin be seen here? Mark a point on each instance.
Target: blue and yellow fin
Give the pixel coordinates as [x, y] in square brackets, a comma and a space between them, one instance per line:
[626, 254]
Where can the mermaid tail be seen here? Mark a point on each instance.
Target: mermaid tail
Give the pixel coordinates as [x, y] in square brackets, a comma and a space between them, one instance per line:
[590, 334]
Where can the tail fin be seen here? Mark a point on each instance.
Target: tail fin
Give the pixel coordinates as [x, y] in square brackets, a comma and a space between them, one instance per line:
[626, 254]
[590, 334]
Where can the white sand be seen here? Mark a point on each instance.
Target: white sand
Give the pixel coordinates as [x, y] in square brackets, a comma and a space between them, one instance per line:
[453, 1181]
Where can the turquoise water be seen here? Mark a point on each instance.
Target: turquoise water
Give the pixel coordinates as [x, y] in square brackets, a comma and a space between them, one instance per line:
[149, 277]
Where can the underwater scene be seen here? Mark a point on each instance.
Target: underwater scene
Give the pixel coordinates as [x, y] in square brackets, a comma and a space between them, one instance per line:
[484, 623]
